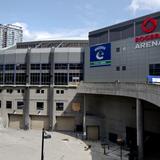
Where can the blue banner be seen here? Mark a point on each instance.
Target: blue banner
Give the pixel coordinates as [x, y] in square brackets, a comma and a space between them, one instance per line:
[153, 79]
[100, 55]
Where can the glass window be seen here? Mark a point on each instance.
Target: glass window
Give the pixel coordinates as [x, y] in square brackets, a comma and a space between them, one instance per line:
[45, 78]
[62, 91]
[1, 67]
[35, 78]
[45, 66]
[123, 68]
[9, 67]
[20, 78]
[40, 105]
[20, 91]
[57, 91]
[60, 78]
[117, 68]
[59, 106]
[74, 66]
[35, 66]
[1, 78]
[20, 105]
[75, 77]
[20, 66]
[8, 104]
[61, 66]
[118, 49]
[154, 69]
[9, 78]
[9, 90]
[38, 91]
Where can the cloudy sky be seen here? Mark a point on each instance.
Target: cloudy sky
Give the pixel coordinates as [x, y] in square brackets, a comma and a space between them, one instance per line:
[70, 19]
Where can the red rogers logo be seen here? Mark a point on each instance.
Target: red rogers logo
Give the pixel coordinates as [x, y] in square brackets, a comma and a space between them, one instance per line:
[152, 27]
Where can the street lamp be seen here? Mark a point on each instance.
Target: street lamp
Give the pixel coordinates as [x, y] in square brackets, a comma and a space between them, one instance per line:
[44, 136]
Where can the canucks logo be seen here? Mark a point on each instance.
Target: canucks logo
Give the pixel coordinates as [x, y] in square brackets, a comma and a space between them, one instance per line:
[100, 55]
[100, 52]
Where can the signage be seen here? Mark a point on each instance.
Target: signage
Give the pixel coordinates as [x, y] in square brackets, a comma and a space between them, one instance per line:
[147, 44]
[149, 25]
[76, 107]
[100, 55]
[150, 40]
[153, 79]
[147, 38]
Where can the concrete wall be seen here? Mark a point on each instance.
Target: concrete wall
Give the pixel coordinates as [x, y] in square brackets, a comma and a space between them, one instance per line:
[70, 96]
[136, 60]
[114, 113]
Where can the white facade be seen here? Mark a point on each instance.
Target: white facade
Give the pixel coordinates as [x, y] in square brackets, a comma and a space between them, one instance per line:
[10, 35]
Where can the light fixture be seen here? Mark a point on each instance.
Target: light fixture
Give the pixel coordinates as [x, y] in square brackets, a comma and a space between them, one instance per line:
[14, 111]
[39, 112]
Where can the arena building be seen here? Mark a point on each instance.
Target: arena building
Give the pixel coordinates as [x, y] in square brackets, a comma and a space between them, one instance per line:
[121, 84]
[107, 87]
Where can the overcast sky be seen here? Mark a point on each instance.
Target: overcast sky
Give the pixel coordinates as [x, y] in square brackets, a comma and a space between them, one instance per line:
[70, 19]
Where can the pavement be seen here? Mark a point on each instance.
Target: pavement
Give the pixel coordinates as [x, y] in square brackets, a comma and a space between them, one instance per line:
[112, 153]
[26, 145]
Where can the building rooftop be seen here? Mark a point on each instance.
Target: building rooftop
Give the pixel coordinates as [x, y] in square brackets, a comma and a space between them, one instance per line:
[123, 24]
[53, 43]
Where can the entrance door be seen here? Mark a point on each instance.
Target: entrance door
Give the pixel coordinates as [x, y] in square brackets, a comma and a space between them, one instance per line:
[39, 122]
[15, 121]
[93, 133]
[65, 123]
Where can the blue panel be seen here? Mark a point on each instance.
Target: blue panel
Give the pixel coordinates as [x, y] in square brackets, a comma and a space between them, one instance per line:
[100, 55]
[153, 79]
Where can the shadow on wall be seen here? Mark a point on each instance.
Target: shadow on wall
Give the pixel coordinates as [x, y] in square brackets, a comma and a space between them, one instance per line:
[71, 112]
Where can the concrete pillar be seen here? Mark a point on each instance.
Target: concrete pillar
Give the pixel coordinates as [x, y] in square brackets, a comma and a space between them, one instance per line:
[26, 119]
[140, 128]
[84, 116]
[28, 63]
[51, 109]
[4, 69]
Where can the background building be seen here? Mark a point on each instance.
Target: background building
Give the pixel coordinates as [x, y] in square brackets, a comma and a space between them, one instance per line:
[38, 82]
[10, 35]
